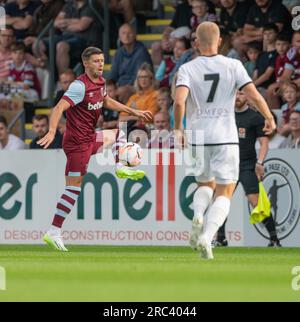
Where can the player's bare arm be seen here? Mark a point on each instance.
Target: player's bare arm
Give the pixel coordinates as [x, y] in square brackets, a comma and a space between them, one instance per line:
[111, 104]
[57, 112]
[181, 96]
[256, 99]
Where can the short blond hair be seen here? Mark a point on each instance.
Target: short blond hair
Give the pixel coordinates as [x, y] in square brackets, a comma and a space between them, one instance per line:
[208, 34]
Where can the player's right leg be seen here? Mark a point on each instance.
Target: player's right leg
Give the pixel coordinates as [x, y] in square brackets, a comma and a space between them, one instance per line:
[77, 162]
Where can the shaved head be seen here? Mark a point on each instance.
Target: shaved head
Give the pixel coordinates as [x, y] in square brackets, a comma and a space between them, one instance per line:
[208, 34]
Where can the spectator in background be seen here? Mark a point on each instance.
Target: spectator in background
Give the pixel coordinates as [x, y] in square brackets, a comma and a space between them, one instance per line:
[62, 126]
[201, 14]
[292, 67]
[48, 10]
[233, 16]
[146, 96]
[273, 94]
[65, 80]
[19, 15]
[185, 57]
[167, 65]
[128, 59]
[40, 128]
[275, 139]
[21, 71]
[124, 7]
[9, 142]
[290, 95]
[264, 74]
[290, 4]
[78, 30]
[6, 40]
[164, 101]
[194, 46]
[181, 18]
[161, 137]
[253, 52]
[110, 118]
[264, 12]
[293, 141]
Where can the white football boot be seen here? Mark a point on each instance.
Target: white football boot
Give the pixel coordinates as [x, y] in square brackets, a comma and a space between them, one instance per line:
[196, 232]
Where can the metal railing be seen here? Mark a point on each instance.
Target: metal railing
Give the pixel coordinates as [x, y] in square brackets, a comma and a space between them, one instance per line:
[51, 55]
[104, 21]
[50, 30]
[20, 116]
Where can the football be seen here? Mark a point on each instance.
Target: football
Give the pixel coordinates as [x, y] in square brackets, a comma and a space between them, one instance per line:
[131, 154]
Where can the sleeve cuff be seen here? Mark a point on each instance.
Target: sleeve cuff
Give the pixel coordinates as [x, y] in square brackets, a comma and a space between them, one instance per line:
[182, 85]
[241, 88]
[66, 98]
[289, 66]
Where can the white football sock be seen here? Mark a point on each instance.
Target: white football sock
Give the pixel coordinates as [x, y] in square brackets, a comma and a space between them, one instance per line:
[54, 231]
[216, 217]
[202, 198]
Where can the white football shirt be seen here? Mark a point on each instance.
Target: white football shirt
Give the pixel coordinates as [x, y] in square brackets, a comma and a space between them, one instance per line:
[210, 108]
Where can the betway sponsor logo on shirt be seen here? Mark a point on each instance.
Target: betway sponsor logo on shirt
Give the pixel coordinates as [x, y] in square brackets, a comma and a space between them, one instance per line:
[94, 107]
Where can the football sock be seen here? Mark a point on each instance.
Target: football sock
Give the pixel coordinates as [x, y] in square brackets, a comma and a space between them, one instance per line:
[121, 140]
[270, 226]
[202, 198]
[216, 216]
[222, 232]
[65, 205]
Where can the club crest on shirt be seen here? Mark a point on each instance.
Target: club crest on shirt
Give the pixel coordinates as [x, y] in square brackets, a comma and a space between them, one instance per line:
[242, 133]
[91, 95]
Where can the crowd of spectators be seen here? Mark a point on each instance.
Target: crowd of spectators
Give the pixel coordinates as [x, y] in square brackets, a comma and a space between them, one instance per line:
[257, 32]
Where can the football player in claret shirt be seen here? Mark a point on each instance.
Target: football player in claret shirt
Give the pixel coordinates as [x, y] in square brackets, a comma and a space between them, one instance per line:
[83, 103]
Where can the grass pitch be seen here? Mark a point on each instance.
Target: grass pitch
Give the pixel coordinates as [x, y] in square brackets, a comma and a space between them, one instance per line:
[147, 274]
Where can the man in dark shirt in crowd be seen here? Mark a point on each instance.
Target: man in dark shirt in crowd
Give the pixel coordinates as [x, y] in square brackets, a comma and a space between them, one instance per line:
[264, 12]
[48, 10]
[19, 15]
[250, 126]
[233, 15]
[41, 128]
[264, 74]
[78, 30]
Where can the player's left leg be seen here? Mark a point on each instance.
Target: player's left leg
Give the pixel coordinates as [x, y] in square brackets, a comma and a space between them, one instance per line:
[63, 210]
[224, 165]
[216, 216]
[116, 139]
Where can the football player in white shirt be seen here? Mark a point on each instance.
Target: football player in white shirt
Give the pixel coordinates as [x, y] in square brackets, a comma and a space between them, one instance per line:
[206, 90]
